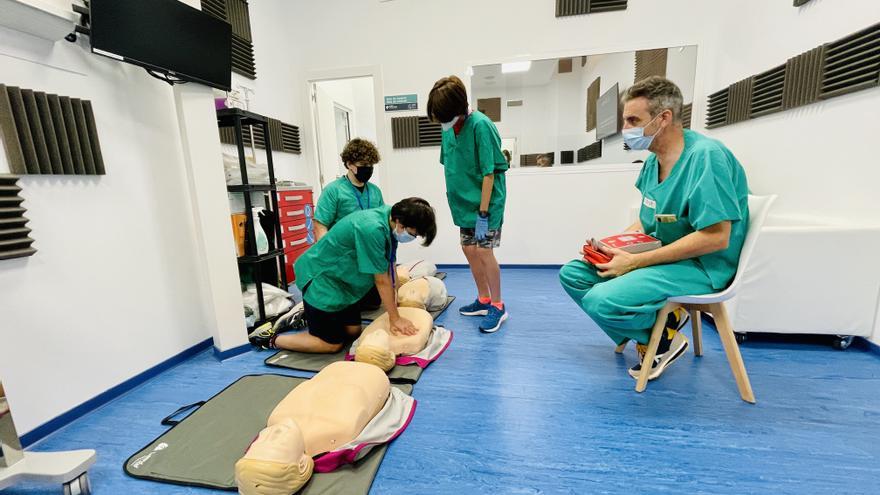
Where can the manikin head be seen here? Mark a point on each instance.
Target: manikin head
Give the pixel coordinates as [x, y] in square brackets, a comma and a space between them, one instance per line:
[375, 349]
[276, 463]
[652, 109]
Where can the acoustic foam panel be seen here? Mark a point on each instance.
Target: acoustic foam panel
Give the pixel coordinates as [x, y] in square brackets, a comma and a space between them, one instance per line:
[768, 92]
[851, 63]
[430, 134]
[15, 240]
[650, 63]
[686, 111]
[491, 107]
[237, 14]
[405, 132]
[580, 7]
[531, 160]
[47, 134]
[840, 67]
[590, 152]
[284, 137]
[592, 101]
[565, 65]
[567, 157]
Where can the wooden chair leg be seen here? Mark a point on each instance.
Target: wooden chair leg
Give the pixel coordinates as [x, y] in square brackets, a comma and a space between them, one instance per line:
[656, 333]
[619, 349]
[725, 331]
[697, 331]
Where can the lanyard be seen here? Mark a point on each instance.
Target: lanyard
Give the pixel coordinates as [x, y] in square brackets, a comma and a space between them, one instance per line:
[392, 259]
[357, 194]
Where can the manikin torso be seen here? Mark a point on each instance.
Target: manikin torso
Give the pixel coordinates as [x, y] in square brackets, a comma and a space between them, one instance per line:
[425, 293]
[333, 407]
[379, 347]
[401, 344]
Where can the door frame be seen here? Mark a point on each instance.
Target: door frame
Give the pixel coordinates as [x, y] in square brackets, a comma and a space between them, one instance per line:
[382, 137]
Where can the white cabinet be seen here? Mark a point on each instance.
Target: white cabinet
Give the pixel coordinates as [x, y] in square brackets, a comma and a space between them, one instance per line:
[806, 277]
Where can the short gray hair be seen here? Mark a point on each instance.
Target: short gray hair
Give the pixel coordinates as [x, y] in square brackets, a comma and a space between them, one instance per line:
[661, 93]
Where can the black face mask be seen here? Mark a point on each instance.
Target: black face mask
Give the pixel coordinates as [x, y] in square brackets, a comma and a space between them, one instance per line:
[363, 174]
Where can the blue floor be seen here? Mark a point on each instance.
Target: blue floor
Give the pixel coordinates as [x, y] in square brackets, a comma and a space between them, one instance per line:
[546, 406]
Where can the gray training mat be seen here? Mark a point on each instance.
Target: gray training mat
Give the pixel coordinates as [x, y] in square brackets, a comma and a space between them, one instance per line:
[316, 362]
[372, 315]
[202, 449]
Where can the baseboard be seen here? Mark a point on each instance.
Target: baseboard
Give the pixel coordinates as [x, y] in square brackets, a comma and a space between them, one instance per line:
[872, 347]
[231, 353]
[90, 405]
[503, 266]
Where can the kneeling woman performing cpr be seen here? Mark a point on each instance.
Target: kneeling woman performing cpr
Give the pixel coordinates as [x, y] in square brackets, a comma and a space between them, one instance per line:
[334, 274]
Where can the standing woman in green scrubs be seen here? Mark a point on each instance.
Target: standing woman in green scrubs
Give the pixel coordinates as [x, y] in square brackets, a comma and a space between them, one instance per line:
[357, 254]
[476, 190]
[351, 193]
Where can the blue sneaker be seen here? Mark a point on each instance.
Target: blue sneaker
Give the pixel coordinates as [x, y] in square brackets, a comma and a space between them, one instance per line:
[492, 322]
[475, 308]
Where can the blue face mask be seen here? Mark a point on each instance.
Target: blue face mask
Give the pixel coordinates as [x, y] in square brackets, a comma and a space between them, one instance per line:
[635, 138]
[404, 237]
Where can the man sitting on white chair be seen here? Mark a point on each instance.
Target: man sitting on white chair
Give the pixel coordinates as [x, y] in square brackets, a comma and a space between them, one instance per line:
[694, 199]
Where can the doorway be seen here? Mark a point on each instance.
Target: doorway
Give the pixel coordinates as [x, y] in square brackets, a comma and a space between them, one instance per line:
[342, 109]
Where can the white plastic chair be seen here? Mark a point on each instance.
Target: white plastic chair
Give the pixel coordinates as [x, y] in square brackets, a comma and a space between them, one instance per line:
[714, 303]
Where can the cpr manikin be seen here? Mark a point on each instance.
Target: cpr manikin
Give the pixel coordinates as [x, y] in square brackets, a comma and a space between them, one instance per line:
[320, 416]
[379, 347]
[424, 293]
[414, 270]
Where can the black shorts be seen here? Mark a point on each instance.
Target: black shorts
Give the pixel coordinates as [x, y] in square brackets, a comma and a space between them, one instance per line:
[372, 301]
[330, 326]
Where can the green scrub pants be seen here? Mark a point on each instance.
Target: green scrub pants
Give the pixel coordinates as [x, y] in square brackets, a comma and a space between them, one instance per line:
[626, 307]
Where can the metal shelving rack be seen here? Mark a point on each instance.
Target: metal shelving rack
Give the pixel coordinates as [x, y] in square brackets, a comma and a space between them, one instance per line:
[238, 119]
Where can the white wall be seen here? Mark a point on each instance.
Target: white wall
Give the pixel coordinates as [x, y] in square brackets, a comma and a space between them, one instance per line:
[331, 163]
[275, 90]
[113, 289]
[534, 124]
[365, 110]
[728, 51]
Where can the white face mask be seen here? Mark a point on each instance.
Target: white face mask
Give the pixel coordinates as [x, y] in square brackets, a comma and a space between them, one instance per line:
[448, 125]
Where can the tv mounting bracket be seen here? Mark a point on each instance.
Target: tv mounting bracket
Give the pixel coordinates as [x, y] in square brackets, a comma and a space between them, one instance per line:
[84, 22]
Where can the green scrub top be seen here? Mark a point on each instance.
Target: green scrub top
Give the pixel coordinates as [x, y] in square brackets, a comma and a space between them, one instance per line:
[339, 269]
[340, 198]
[468, 157]
[706, 186]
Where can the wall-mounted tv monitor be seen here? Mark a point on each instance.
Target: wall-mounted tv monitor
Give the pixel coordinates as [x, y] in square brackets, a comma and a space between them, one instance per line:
[607, 113]
[165, 36]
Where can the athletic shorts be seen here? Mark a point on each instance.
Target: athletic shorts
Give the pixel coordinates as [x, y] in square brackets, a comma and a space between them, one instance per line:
[492, 240]
[330, 326]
